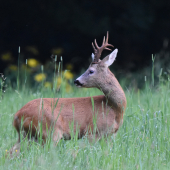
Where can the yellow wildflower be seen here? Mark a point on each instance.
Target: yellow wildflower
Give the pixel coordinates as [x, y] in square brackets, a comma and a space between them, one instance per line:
[6, 150]
[63, 84]
[69, 66]
[40, 77]
[16, 150]
[68, 75]
[59, 81]
[6, 56]
[68, 88]
[32, 62]
[32, 49]
[47, 84]
[13, 67]
[57, 51]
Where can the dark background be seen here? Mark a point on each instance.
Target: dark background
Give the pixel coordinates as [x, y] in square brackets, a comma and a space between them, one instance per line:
[137, 28]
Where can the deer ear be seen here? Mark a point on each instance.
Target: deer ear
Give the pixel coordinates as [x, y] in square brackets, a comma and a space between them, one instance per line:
[92, 56]
[110, 58]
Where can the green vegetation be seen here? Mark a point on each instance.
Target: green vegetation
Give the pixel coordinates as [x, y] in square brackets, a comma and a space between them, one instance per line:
[142, 141]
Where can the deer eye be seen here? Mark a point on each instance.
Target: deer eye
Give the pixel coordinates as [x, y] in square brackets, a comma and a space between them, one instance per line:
[91, 72]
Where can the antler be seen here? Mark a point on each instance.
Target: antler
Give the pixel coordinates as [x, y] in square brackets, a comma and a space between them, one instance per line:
[98, 50]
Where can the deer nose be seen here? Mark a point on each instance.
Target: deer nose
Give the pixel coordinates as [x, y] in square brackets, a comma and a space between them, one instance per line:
[77, 83]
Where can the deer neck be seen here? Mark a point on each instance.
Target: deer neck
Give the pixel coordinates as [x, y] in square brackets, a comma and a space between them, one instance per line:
[113, 92]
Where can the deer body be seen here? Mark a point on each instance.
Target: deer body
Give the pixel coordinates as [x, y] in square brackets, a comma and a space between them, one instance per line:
[108, 109]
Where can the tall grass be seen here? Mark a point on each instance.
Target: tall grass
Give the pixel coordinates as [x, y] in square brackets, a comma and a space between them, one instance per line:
[142, 141]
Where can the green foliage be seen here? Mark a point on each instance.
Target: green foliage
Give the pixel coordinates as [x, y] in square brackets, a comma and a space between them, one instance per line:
[2, 86]
[141, 143]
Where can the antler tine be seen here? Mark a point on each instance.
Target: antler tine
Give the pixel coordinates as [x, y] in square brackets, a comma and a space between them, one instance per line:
[95, 51]
[98, 50]
[93, 46]
[103, 40]
[108, 49]
[96, 43]
[107, 37]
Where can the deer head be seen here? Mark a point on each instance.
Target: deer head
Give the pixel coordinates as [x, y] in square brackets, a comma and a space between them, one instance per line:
[98, 69]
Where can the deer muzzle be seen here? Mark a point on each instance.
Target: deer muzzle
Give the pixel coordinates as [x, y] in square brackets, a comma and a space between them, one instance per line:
[77, 83]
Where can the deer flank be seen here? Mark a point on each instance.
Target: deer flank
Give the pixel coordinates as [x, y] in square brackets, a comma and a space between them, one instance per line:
[59, 114]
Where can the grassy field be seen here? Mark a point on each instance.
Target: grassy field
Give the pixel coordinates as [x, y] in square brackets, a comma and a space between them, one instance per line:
[142, 141]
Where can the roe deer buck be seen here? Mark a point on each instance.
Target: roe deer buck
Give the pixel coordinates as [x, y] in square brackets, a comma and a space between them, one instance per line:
[108, 108]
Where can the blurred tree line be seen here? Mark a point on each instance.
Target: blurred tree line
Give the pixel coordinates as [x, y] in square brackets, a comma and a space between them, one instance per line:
[137, 28]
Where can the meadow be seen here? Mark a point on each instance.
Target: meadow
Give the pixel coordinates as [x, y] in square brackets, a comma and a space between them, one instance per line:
[142, 141]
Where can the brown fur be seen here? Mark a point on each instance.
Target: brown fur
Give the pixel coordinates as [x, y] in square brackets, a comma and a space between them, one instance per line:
[40, 110]
[107, 111]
